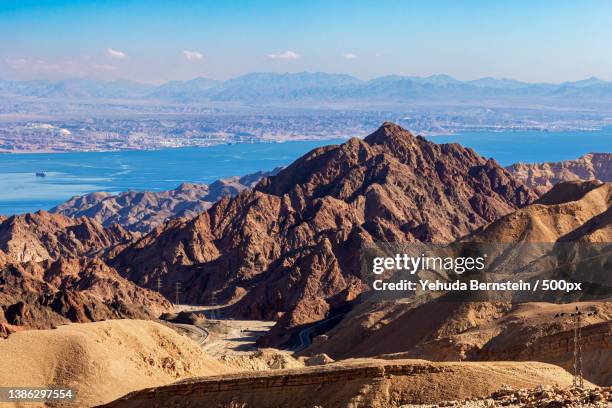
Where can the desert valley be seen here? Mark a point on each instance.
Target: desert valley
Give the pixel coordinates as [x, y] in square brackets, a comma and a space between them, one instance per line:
[250, 292]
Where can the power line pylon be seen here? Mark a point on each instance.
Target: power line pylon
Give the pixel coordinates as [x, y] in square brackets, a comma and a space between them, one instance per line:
[576, 318]
[177, 293]
[213, 313]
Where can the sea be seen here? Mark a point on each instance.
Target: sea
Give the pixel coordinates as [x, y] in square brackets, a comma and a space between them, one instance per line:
[70, 174]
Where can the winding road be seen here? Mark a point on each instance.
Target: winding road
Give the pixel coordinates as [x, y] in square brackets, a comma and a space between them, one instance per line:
[305, 335]
[202, 333]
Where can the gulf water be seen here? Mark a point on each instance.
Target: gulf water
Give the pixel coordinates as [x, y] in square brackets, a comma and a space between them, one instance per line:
[69, 174]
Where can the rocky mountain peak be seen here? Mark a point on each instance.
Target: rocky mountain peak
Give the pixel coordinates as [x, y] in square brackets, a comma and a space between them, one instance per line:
[290, 247]
[389, 132]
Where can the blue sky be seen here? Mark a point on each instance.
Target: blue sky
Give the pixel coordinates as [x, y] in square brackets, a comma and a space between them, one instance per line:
[155, 41]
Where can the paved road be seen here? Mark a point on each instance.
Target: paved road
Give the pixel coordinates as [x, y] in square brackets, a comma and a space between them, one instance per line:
[305, 335]
[202, 333]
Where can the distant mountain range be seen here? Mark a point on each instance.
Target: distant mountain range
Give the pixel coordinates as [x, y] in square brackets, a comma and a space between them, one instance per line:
[145, 210]
[319, 89]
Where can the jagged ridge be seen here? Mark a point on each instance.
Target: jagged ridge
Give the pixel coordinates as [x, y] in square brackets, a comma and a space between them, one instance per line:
[289, 249]
[143, 211]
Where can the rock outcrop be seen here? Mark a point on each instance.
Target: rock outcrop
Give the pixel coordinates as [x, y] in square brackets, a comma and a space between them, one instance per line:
[289, 248]
[42, 295]
[542, 176]
[369, 383]
[539, 397]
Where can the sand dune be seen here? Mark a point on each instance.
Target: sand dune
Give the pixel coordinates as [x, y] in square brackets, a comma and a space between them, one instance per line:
[102, 360]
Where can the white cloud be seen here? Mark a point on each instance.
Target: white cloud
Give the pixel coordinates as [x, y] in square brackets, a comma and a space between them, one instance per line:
[105, 67]
[192, 55]
[287, 55]
[349, 56]
[116, 54]
[15, 62]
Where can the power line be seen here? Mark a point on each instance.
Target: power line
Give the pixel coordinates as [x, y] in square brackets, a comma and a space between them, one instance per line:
[214, 304]
[177, 292]
[576, 318]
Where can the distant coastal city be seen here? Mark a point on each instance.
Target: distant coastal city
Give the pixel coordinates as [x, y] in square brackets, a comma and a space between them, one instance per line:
[94, 115]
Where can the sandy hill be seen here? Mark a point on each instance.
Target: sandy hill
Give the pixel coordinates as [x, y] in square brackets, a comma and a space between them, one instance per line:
[103, 360]
[542, 176]
[453, 331]
[570, 211]
[363, 383]
[143, 211]
[288, 248]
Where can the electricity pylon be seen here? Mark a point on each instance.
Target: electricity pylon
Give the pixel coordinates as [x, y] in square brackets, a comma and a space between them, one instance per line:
[576, 317]
[177, 293]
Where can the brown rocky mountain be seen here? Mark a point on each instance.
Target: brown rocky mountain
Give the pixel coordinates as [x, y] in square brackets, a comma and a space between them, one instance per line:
[542, 176]
[51, 273]
[440, 330]
[40, 236]
[49, 293]
[143, 211]
[288, 249]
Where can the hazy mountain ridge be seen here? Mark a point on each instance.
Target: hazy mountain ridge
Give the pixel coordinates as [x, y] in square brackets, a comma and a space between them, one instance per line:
[145, 210]
[270, 88]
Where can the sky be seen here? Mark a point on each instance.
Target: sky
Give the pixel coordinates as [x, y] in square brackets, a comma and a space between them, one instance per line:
[157, 41]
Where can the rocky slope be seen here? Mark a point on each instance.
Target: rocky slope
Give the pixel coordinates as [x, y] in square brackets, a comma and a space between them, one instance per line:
[571, 211]
[51, 273]
[360, 383]
[143, 211]
[542, 176]
[445, 330]
[452, 331]
[49, 293]
[41, 236]
[539, 397]
[288, 249]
